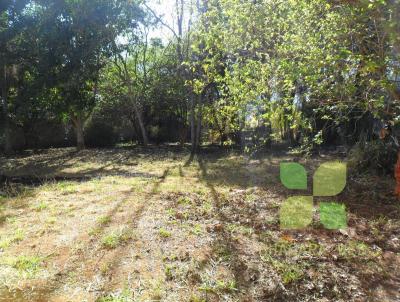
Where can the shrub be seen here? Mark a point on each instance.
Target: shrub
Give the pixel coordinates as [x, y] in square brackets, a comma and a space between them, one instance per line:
[378, 155]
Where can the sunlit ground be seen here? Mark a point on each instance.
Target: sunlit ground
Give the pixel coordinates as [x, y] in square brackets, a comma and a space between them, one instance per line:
[150, 225]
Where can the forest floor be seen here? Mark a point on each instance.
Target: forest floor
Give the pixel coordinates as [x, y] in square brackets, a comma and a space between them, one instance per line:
[151, 225]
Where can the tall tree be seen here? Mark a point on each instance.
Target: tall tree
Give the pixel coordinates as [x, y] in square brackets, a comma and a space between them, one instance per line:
[78, 40]
[15, 54]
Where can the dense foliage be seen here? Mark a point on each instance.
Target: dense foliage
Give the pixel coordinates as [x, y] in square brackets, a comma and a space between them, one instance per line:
[233, 72]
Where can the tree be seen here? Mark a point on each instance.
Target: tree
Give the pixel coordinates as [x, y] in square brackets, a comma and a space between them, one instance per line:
[132, 72]
[182, 31]
[15, 55]
[78, 40]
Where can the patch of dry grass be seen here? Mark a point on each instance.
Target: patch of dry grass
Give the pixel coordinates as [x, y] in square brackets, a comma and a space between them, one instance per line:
[145, 225]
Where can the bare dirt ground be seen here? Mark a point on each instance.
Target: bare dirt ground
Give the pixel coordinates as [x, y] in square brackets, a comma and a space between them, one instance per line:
[150, 225]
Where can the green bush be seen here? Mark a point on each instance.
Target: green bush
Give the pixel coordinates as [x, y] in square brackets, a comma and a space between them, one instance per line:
[378, 155]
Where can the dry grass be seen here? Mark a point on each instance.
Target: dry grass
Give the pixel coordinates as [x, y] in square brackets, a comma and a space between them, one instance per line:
[146, 225]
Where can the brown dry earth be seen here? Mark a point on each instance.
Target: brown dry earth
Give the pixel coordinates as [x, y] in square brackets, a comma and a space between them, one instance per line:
[148, 225]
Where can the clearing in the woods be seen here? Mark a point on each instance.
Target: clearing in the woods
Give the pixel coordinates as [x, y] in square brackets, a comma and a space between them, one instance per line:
[152, 225]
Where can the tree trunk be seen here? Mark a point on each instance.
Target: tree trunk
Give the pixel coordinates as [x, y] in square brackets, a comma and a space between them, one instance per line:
[192, 123]
[7, 131]
[199, 125]
[77, 121]
[139, 118]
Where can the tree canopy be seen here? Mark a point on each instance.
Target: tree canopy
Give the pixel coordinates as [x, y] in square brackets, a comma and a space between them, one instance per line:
[310, 72]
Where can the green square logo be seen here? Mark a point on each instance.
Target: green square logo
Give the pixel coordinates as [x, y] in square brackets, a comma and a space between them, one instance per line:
[329, 180]
[333, 215]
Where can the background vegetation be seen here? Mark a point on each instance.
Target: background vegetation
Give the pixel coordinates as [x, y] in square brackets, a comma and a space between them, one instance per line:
[233, 73]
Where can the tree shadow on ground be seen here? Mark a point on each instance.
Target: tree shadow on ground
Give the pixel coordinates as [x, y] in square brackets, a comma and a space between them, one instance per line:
[224, 237]
[48, 290]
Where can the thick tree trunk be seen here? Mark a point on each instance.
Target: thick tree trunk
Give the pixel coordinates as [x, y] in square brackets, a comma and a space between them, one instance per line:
[7, 131]
[143, 131]
[78, 122]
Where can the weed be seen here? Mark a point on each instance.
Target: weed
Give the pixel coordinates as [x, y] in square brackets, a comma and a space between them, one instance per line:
[28, 266]
[125, 295]
[292, 274]
[17, 237]
[355, 250]
[111, 241]
[104, 268]
[250, 198]
[195, 298]
[240, 229]
[66, 187]
[51, 220]
[184, 201]
[287, 258]
[94, 231]
[104, 220]
[164, 233]
[218, 286]
[288, 271]
[223, 252]
[207, 207]
[11, 219]
[156, 292]
[41, 206]
[168, 269]
[171, 213]
[197, 229]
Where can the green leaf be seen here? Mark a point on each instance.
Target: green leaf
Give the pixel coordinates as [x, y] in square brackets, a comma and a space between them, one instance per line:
[330, 179]
[293, 176]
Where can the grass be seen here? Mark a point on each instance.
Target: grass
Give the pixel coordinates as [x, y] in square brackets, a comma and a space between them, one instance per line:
[169, 272]
[16, 237]
[41, 206]
[111, 241]
[164, 233]
[104, 220]
[201, 227]
[114, 239]
[125, 295]
[51, 220]
[27, 266]
[184, 201]
[291, 259]
[219, 286]
[196, 298]
[197, 229]
[222, 252]
[288, 271]
[240, 229]
[104, 268]
[358, 251]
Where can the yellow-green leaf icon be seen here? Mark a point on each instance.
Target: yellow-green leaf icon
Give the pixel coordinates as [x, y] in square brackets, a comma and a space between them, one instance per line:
[330, 179]
[296, 212]
[293, 176]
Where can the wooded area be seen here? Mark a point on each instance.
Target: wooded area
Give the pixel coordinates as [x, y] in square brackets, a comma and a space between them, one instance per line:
[174, 116]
